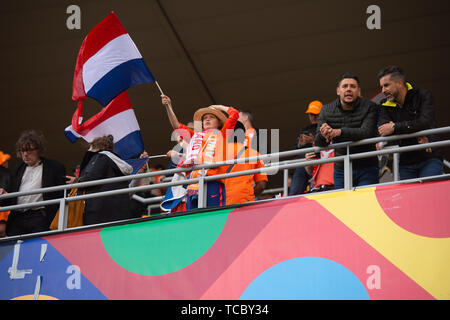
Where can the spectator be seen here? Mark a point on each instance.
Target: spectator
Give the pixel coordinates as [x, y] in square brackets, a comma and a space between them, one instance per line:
[406, 110]
[34, 172]
[156, 179]
[206, 146]
[5, 180]
[305, 139]
[138, 208]
[350, 118]
[244, 188]
[322, 174]
[251, 134]
[100, 162]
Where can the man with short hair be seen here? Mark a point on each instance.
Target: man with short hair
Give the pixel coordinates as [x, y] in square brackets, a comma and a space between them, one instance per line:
[350, 118]
[406, 110]
[34, 172]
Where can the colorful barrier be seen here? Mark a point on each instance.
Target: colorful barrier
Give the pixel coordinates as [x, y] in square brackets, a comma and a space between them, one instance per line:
[390, 242]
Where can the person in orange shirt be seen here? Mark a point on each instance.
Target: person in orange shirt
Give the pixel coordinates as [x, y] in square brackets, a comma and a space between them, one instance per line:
[251, 134]
[322, 174]
[5, 179]
[207, 144]
[243, 188]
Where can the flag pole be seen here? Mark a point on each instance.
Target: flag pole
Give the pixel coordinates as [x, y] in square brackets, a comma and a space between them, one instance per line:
[157, 156]
[160, 90]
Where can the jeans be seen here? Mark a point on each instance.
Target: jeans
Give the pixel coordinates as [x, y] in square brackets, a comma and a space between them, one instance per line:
[361, 177]
[215, 196]
[300, 181]
[427, 168]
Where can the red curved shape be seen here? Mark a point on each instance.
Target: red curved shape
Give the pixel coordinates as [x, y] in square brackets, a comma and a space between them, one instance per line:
[86, 250]
[417, 207]
[305, 229]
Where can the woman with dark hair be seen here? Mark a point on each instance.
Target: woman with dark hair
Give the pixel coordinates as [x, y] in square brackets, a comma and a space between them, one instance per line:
[100, 162]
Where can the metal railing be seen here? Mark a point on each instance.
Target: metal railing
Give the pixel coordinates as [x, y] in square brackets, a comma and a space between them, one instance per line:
[202, 181]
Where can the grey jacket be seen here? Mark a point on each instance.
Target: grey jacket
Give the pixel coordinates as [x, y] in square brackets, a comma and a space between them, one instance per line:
[357, 124]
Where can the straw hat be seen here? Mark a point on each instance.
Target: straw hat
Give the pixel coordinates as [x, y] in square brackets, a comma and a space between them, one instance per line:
[198, 115]
[4, 157]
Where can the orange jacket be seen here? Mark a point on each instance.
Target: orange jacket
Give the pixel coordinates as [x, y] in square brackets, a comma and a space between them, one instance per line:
[241, 189]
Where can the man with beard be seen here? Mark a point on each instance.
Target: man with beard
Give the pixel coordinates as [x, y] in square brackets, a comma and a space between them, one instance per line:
[406, 110]
[350, 118]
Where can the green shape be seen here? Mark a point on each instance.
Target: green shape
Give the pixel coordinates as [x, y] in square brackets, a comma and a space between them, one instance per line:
[163, 246]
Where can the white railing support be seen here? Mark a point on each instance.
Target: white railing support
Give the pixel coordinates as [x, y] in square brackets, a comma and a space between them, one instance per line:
[63, 211]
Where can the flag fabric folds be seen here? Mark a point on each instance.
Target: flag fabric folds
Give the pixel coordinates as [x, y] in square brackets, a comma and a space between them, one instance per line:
[108, 63]
[174, 195]
[117, 119]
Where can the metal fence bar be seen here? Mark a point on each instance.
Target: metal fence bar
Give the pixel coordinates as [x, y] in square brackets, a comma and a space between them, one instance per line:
[396, 166]
[229, 175]
[267, 157]
[63, 210]
[348, 172]
[285, 166]
[202, 192]
[285, 182]
[447, 163]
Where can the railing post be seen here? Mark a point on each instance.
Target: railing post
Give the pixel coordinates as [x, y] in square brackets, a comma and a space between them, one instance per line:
[395, 166]
[63, 210]
[348, 171]
[285, 182]
[202, 192]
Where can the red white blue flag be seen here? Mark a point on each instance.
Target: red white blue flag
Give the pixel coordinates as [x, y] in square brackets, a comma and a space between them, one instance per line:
[117, 119]
[108, 63]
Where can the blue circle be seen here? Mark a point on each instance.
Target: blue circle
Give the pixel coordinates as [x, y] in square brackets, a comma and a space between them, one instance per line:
[306, 278]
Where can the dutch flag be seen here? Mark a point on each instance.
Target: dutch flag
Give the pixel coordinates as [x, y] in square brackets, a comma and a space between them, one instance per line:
[117, 119]
[108, 63]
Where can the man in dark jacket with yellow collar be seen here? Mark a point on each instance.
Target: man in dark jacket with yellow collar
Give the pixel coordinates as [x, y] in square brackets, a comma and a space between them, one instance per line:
[407, 110]
[350, 118]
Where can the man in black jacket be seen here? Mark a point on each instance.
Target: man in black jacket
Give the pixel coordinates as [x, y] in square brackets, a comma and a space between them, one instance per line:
[407, 110]
[350, 118]
[305, 139]
[33, 173]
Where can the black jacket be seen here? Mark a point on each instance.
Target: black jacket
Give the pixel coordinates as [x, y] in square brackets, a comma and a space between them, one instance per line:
[357, 124]
[110, 208]
[53, 174]
[416, 114]
[5, 178]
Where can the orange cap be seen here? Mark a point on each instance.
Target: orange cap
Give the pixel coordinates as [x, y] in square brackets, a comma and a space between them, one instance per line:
[4, 157]
[314, 107]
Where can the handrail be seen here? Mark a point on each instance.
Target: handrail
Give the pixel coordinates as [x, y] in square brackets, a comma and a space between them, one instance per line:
[278, 165]
[263, 157]
[132, 190]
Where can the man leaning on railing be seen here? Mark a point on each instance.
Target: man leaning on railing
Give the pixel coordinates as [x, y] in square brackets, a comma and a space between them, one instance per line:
[406, 110]
[350, 118]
